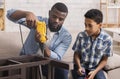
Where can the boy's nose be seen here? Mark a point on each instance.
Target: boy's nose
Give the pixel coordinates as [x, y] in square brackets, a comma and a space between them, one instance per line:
[86, 28]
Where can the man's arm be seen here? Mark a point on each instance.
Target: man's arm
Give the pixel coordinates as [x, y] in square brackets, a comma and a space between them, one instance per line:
[46, 51]
[29, 16]
[18, 14]
[60, 49]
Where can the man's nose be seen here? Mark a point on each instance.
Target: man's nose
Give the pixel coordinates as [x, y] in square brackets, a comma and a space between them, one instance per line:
[57, 20]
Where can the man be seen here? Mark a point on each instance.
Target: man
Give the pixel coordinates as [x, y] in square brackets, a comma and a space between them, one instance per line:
[59, 38]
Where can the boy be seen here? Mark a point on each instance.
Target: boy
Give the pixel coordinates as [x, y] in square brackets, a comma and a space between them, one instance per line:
[91, 48]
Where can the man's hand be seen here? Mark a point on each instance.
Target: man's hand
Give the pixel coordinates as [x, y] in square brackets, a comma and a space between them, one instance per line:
[37, 37]
[31, 19]
[41, 29]
[46, 49]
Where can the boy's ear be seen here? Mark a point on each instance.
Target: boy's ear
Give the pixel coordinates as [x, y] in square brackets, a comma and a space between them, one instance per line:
[100, 25]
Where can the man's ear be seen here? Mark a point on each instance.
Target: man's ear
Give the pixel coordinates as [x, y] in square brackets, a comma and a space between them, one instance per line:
[49, 12]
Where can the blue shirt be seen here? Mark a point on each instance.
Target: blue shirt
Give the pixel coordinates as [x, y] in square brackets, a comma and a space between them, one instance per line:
[59, 43]
[92, 51]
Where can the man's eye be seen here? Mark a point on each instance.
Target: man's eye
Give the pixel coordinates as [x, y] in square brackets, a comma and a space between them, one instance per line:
[61, 19]
[54, 16]
[90, 25]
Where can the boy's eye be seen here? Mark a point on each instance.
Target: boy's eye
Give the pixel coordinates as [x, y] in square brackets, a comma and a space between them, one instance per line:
[90, 25]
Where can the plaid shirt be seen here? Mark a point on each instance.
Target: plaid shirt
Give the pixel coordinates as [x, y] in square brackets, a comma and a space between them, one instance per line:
[92, 51]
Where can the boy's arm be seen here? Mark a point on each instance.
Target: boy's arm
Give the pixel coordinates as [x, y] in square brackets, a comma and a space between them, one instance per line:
[100, 66]
[77, 59]
[102, 63]
[80, 70]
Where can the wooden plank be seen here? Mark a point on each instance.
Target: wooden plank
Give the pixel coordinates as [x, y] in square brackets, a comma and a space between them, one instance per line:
[28, 64]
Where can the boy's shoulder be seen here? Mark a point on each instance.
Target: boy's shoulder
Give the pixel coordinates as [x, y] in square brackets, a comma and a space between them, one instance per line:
[104, 35]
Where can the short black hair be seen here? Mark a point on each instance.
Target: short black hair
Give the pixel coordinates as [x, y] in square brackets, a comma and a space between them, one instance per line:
[95, 15]
[60, 6]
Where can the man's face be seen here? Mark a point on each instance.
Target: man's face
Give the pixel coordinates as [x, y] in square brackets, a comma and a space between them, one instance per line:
[56, 20]
[91, 27]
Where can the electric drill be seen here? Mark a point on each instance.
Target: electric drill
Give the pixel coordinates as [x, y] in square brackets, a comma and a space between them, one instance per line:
[41, 28]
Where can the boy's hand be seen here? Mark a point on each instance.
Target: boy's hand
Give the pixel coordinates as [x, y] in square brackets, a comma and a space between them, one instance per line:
[91, 75]
[81, 71]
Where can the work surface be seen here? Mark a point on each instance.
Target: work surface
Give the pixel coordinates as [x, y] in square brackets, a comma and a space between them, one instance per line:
[28, 67]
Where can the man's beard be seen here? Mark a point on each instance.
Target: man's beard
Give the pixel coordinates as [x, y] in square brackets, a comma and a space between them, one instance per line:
[52, 29]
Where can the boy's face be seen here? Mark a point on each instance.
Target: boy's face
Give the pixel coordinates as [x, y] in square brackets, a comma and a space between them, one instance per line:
[91, 27]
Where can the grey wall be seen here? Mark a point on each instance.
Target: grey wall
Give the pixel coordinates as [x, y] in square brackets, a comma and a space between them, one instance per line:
[75, 18]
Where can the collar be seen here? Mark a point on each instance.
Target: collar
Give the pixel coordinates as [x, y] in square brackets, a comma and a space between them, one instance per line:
[100, 36]
[55, 32]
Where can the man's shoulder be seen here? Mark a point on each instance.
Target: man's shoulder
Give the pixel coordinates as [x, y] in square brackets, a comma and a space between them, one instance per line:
[63, 29]
[64, 33]
[41, 18]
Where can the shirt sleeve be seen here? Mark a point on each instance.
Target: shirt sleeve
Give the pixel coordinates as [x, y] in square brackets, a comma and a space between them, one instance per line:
[20, 21]
[109, 48]
[9, 13]
[60, 50]
[76, 45]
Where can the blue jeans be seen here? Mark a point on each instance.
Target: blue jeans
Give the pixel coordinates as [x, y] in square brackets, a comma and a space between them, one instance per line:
[99, 75]
[59, 72]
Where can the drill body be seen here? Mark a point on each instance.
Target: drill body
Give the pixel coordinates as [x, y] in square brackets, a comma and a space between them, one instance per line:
[41, 28]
